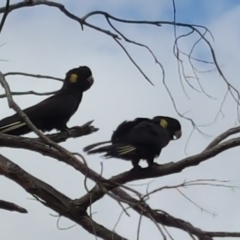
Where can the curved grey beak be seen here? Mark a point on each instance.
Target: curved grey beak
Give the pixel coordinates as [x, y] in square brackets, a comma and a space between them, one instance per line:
[90, 80]
[177, 134]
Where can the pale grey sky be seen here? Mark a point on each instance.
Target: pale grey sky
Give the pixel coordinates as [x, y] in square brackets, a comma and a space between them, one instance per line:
[42, 40]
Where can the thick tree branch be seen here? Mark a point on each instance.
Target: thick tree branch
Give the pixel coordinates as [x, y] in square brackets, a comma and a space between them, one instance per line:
[162, 170]
[63, 205]
[106, 185]
[222, 137]
[11, 207]
[53, 199]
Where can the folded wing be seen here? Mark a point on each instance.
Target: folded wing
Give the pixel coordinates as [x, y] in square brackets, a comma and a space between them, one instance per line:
[51, 113]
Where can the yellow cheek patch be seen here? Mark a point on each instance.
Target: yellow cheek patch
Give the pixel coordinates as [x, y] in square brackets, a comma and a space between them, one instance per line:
[163, 123]
[73, 78]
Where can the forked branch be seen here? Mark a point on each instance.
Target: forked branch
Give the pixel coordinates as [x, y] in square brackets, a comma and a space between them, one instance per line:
[53, 199]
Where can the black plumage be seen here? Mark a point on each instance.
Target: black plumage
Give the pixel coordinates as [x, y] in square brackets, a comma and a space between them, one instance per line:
[142, 138]
[55, 111]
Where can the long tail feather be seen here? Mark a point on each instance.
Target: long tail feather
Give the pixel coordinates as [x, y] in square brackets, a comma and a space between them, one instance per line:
[115, 150]
[11, 127]
[89, 147]
[100, 149]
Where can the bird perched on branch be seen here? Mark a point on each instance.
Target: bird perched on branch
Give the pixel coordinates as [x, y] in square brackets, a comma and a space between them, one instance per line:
[142, 138]
[55, 111]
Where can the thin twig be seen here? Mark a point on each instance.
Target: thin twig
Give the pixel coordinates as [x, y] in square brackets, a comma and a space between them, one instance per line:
[5, 14]
[32, 75]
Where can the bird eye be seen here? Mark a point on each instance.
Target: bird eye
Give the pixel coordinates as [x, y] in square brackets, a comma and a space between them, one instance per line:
[73, 78]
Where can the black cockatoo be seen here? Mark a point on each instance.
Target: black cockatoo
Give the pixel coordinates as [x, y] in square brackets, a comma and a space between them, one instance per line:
[142, 138]
[55, 111]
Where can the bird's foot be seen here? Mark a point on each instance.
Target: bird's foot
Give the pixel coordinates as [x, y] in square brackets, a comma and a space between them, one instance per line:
[135, 163]
[88, 129]
[136, 167]
[67, 131]
[83, 130]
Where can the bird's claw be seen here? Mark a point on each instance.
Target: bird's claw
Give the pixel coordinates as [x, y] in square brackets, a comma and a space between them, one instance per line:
[136, 167]
[93, 129]
[90, 129]
[87, 124]
[67, 131]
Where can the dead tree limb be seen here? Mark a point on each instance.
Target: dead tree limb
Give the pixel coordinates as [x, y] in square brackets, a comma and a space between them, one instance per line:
[53, 199]
[11, 207]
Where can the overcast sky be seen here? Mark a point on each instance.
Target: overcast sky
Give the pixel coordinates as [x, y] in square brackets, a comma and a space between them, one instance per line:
[42, 40]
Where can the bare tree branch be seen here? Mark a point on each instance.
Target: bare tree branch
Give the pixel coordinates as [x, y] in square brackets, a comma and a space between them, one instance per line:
[62, 8]
[32, 75]
[5, 14]
[11, 207]
[106, 185]
[135, 204]
[222, 137]
[76, 210]
[198, 29]
[28, 93]
[53, 199]
[162, 170]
